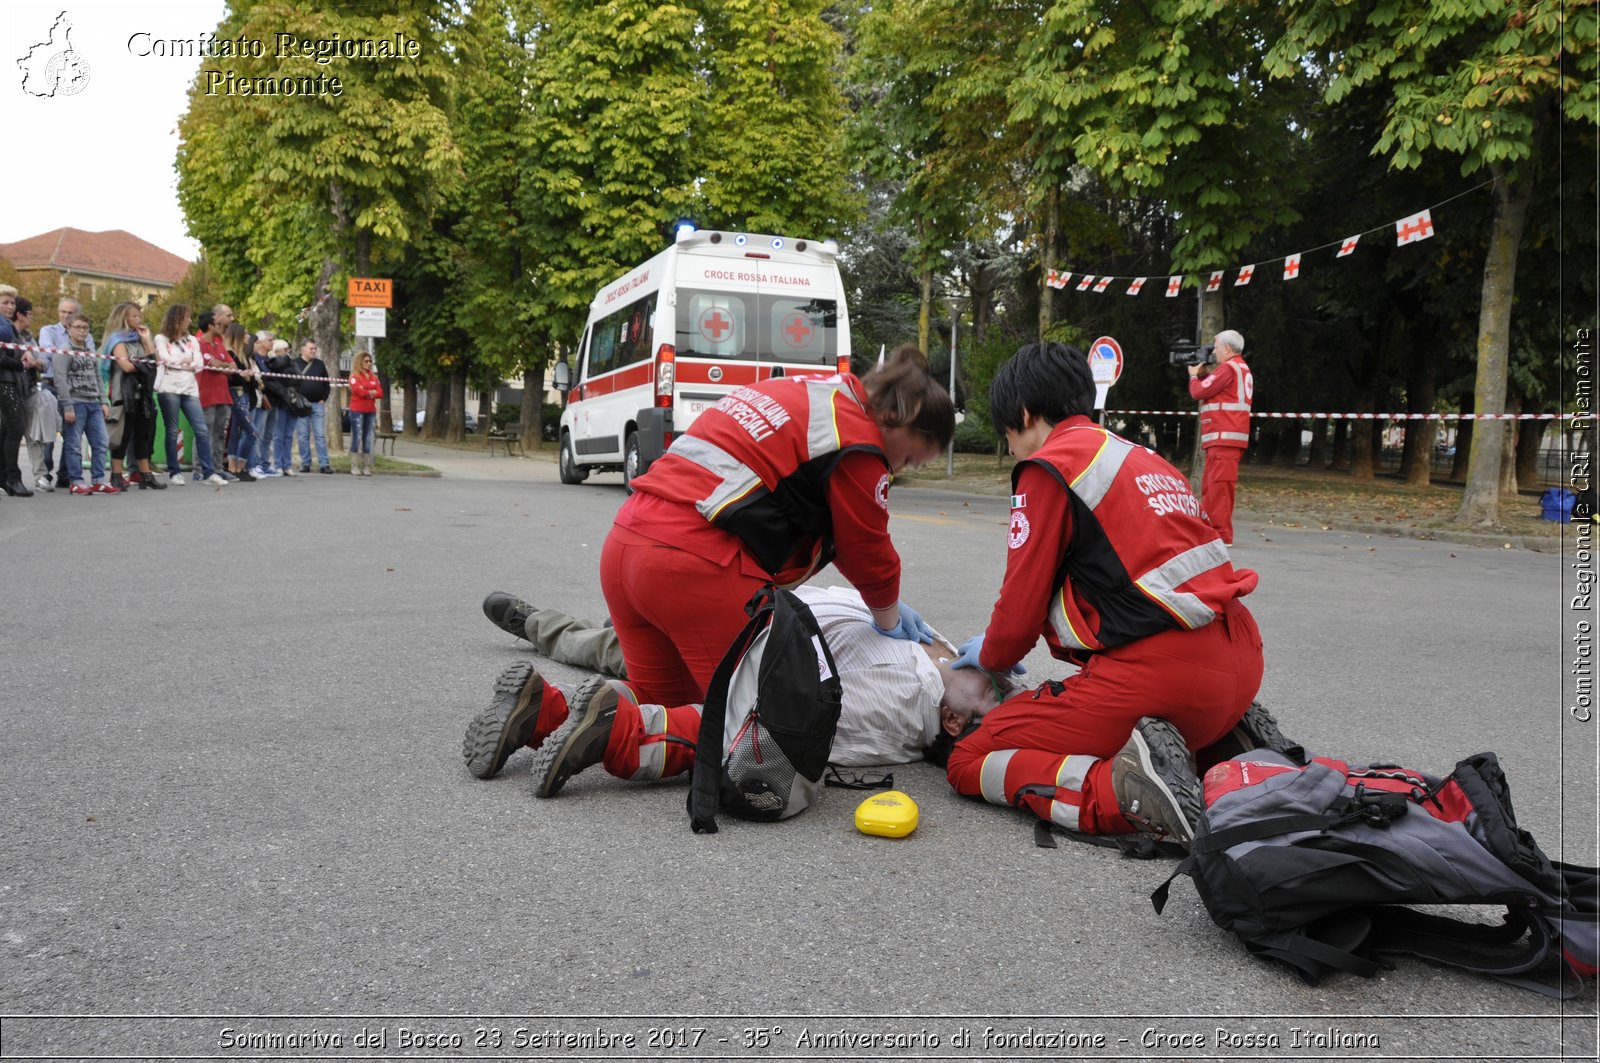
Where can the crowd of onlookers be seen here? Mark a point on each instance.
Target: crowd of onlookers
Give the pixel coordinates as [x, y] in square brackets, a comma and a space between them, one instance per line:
[250, 402]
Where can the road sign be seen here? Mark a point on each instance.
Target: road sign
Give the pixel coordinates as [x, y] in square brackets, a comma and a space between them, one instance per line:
[372, 321]
[371, 291]
[1105, 365]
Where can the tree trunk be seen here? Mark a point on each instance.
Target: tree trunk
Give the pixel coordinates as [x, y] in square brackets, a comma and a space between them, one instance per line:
[437, 414]
[1508, 457]
[1289, 444]
[1319, 444]
[1480, 503]
[1361, 455]
[456, 426]
[1458, 467]
[408, 406]
[324, 326]
[385, 407]
[1340, 459]
[486, 409]
[1530, 439]
[1416, 461]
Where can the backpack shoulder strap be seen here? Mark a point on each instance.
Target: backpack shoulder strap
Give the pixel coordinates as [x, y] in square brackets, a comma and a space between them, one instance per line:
[705, 789]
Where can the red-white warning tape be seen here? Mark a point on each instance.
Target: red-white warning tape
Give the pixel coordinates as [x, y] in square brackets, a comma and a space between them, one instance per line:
[1370, 416]
[331, 381]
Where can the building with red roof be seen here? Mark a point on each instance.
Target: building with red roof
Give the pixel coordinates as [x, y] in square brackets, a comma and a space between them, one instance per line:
[78, 263]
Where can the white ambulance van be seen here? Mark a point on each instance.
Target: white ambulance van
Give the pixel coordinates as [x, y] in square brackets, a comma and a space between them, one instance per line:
[668, 339]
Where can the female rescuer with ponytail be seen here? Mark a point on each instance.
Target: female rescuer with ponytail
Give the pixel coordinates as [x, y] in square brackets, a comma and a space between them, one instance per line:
[767, 486]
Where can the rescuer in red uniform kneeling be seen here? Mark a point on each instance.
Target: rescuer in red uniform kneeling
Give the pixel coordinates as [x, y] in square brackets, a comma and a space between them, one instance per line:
[1110, 560]
[768, 486]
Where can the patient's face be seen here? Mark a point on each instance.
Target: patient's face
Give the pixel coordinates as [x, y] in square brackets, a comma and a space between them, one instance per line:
[968, 694]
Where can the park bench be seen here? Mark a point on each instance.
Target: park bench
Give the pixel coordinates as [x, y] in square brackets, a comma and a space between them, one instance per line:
[509, 438]
[385, 442]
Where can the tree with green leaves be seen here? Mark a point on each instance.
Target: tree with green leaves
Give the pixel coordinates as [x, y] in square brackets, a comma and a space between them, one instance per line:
[1169, 99]
[292, 196]
[771, 135]
[615, 91]
[1482, 82]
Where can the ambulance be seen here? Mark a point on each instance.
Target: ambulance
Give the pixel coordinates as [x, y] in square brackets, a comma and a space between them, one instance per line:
[665, 341]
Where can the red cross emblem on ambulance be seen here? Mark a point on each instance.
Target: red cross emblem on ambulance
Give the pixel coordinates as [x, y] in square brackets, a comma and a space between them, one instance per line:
[715, 324]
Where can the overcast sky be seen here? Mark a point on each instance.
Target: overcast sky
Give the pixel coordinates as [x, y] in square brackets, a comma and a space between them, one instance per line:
[100, 158]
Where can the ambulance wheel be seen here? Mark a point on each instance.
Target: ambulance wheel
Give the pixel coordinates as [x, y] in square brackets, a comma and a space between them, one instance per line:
[570, 471]
[632, 461]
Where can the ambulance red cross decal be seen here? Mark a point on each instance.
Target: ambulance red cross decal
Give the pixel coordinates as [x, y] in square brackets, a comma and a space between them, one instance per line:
[715, 324]
[797, 330]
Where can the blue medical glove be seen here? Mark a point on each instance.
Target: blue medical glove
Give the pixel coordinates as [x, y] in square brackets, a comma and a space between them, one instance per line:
[911, 627]
[972, 649]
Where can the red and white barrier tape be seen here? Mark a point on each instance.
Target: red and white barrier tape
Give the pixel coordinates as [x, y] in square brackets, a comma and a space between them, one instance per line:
[1369, 416]
[331, 381]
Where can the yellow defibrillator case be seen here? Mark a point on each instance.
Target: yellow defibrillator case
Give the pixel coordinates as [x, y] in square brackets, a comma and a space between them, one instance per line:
[890, 814]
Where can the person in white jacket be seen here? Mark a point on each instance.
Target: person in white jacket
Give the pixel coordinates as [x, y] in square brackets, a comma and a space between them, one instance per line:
[177, 391]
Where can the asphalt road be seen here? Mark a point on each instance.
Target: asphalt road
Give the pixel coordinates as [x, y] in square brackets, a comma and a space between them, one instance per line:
[232, 731]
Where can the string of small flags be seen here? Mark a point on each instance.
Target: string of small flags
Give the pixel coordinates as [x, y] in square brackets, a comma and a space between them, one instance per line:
[1408, 230]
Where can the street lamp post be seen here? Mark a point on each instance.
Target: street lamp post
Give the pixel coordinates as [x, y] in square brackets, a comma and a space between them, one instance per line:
[956, 303]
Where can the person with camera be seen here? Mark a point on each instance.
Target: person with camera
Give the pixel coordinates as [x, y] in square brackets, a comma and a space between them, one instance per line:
[1224, 395]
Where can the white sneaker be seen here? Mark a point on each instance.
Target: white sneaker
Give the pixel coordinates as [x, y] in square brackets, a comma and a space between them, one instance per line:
[290, 471]
[215, 478]
[45, 483]
[176, 479]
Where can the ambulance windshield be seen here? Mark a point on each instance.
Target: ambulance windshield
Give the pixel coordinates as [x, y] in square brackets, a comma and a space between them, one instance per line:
[745, 326]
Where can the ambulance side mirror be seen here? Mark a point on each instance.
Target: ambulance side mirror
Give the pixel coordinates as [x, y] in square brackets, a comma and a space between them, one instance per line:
[561, 377]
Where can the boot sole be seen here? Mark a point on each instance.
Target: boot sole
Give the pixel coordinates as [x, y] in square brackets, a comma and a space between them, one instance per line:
[1162, 750]
[1259, 722]
[584, 718]
[506, 725]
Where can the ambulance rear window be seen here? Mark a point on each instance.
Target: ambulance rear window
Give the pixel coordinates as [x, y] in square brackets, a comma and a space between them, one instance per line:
[747, 326]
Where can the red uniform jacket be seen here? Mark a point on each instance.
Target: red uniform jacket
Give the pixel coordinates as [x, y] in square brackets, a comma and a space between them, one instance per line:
[795, 470]
[1225, 397]
[1107, 546]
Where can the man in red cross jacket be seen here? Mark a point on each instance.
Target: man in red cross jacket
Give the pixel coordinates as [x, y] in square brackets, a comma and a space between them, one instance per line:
[1224, 395]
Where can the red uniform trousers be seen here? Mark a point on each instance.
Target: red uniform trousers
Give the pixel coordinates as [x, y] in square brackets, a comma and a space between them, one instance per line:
[1217, 485]
[1202, 681]
[676, 613]
[642, 744]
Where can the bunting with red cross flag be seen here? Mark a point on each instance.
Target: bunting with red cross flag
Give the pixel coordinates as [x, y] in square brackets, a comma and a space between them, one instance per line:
[1216, 281]
[1138, 282]
[1088, 279]
[1348, 246]
[1409, 230]
[1173, 284]
[1245, 273]
[1101, 284]
[1291, 267]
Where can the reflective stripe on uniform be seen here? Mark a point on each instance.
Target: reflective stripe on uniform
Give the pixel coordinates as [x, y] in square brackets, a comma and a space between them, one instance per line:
[1161, 583]
[1093, 482]
[1237, 437]
[1061, 620]
[1074, 769]
[992, 776]
[737, 479]
[822, 432]
[652, 755]
[1064, 815]
[1207, 406]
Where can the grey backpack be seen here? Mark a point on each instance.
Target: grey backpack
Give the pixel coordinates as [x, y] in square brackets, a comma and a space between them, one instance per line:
[1313, 865]
[767, 725]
